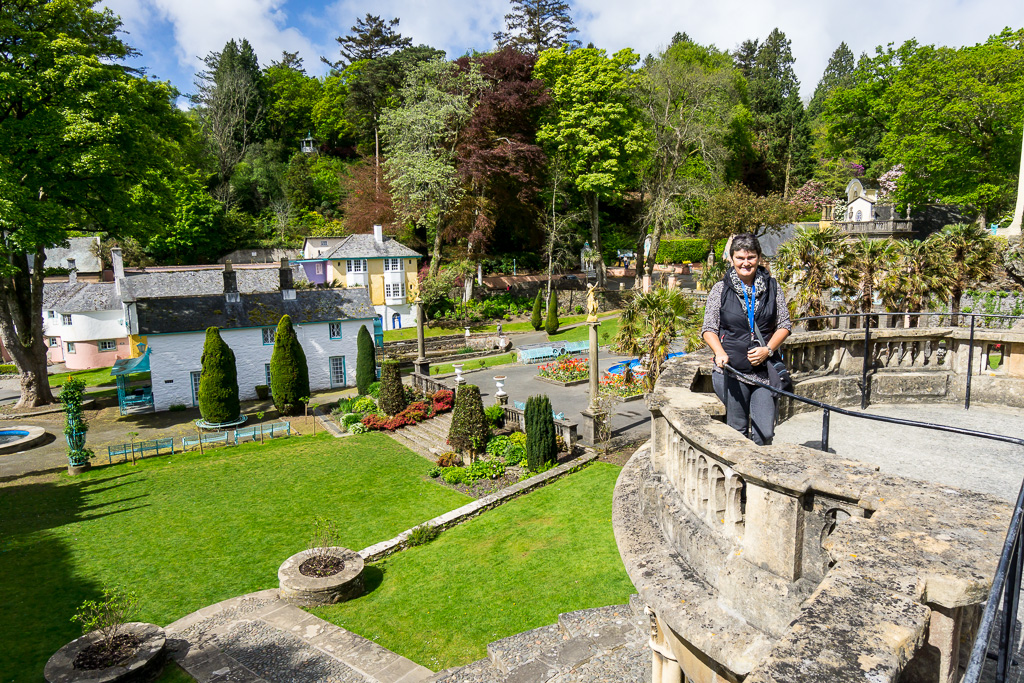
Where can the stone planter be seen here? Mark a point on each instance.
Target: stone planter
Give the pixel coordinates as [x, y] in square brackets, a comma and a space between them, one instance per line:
[145, 665]
[309, 591]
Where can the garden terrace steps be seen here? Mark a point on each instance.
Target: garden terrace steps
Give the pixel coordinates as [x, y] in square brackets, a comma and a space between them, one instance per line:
[428, 438]
[587, 646]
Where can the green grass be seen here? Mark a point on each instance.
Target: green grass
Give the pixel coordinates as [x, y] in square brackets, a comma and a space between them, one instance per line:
[173, 673]
[187, 531]
[515, 568]
[525, 326]
[474, 363]
[100, 377]
[605, 333]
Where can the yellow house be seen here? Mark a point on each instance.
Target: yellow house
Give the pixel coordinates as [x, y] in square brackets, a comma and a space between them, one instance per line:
[385, 266]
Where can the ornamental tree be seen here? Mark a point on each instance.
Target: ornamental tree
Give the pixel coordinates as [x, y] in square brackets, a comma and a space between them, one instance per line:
[541, 446]
[538, 305]
[218, 382]
[84, 142]
[289, 374]
[392, 394]
[469, 430]
[551, 322]
[365, 361]
[594, 129]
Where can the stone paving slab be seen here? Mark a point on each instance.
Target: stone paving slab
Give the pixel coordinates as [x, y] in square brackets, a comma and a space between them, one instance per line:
[259, 638]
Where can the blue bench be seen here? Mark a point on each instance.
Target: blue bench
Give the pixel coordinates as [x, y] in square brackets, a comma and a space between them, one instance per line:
[141, 449]
[211, 439]
[577, 347]
[270, 430]
[528, 356]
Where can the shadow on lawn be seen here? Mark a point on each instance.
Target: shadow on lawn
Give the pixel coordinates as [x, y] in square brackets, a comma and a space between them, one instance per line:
[42, 585]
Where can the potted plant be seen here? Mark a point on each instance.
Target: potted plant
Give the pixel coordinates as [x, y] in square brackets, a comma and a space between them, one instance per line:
[324, 573]
[71, 396]
[262, 392]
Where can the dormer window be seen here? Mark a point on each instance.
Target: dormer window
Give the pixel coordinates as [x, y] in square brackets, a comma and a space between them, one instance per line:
[323, 243]
[232, 297]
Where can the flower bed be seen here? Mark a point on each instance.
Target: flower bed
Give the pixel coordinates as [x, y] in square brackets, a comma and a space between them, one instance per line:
[415, 412]
[565, 370]
[621, 386]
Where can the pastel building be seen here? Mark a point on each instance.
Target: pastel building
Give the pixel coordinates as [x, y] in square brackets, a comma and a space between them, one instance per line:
[386, 268]
[84, 324]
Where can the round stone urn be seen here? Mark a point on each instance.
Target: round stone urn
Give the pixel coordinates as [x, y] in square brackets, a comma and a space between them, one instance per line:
[309, 591]
[144, 665]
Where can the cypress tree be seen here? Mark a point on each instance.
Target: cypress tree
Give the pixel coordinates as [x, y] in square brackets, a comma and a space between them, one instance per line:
[365, 361]
[551, 325]
[218, 383]
[392, 394]
[541, 446]
[469, 423]
[289, 374]
[535, 319]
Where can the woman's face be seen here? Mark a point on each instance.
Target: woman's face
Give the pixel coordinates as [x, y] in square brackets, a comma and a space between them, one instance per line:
[745, 262]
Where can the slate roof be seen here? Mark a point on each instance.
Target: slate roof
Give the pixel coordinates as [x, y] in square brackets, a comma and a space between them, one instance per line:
[195, 313]
[179, 283]
[80, 297]
[366, 246]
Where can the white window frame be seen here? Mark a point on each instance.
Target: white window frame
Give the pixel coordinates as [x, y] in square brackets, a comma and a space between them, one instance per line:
[319, 268]
[51, 314]
[69, 347]
[332, 366]
[65, 319]
[332, 327]
[395, 290]
[108, 345]
[266, 371]
[54, 342]
[394, 265]
[268, 333]
[355, 265]
[194, 383]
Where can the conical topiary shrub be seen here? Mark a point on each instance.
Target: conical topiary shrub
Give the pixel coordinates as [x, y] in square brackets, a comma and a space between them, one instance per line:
[218, 383]
[365, 361]
[469, 430]
[551, 324]
[289, 374]
[535, 318]
[392, 394]
[541, 446]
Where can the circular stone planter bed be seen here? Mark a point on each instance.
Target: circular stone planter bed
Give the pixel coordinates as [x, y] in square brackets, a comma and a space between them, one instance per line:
[144, 665]
[27, 437]
[574, 383]
[310, 591]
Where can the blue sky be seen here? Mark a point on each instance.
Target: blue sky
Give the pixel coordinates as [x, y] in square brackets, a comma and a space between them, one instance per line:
[173, 35]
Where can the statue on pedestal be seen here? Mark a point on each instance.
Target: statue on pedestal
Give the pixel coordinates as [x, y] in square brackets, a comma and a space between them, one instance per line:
[591, 303]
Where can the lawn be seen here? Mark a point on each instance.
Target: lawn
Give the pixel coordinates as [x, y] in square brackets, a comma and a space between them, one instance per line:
[187, 531]
[606, 332]
[474, 363]
[515, 568]
[99, 377]
[524, 326]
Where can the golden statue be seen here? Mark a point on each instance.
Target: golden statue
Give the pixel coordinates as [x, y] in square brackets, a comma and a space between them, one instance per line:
[591, 303]
[414, 291]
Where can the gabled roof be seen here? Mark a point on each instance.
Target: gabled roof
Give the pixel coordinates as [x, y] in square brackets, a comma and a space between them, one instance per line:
[366, 246]
[79, 249]
[80, 297]
[158, 285]
[196, 313]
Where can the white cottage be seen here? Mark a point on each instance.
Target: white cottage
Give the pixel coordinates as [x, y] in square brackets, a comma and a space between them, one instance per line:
[326, 322]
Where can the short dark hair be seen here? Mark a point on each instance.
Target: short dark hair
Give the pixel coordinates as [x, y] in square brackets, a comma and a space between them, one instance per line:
[746, 242]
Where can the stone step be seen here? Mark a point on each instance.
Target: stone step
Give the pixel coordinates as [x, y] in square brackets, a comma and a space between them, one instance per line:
[480, 671]
[412, 443]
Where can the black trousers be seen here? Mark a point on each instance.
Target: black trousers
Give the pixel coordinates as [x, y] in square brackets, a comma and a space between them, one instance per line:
[751, 410]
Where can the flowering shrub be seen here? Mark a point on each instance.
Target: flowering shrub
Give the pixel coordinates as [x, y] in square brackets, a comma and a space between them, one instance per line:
[443, 400]
[566, 370]
[620, 385]
[374, 421]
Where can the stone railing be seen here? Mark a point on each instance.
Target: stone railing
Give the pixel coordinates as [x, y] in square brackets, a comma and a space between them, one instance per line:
[428, 385]
[782, 563]
[567, 430]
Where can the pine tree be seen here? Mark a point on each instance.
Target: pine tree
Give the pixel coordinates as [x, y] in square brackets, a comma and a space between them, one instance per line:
[370, 38]
[218, 383]
[838, 75]
[289, 374]
[469, 430]
[551, 324]
[541, 446]
[537, 25]
[392, 394]
[535, 319]
[365, 361]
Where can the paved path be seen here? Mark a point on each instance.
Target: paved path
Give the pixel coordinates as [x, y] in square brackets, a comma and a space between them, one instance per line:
[977, 464]
[257, 637]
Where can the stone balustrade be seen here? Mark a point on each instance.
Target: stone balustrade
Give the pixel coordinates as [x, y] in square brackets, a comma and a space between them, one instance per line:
[782, 563]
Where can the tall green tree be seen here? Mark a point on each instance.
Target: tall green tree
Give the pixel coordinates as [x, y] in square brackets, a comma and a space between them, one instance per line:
[289, 373]
[292, 96]
[537, 25]
[421, 137]
[371, 38]
[218, 381]
[551, 321]
[541, 445]
[85, 144]
[594, 128]
[838, 75]
[365, 361]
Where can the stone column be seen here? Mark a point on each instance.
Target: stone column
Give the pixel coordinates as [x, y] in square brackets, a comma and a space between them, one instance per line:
[421, 366]
[593, 417]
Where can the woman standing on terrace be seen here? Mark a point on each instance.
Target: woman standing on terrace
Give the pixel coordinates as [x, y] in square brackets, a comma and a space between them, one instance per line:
[745, 321]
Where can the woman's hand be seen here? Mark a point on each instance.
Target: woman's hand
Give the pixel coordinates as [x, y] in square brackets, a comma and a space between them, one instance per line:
[758, 355]
[721, 358]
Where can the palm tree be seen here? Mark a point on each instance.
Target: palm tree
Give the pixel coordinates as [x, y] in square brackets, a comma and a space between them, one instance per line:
[971, 254]
[808, 265]
[915, 278]
[869, 263]
[649, 323]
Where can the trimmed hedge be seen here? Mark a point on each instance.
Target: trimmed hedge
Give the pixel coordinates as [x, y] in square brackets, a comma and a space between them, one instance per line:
[289, 374]
[469, 430]
[692, 250]
[551, 324]
[535, 318]
[541, 446]
[392, 395]
[218, 382]
[366, 373]
[8, 369]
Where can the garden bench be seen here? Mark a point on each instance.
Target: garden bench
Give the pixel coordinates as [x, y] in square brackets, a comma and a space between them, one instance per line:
[141, 449]
[527, 356]
[211, 439]
[271, 430]
[577, 347]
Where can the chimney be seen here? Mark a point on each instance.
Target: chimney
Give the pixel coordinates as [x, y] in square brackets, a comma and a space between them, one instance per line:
[230, 282]
[117, 263]
[378, 234]
[285, 274]
[72, 276]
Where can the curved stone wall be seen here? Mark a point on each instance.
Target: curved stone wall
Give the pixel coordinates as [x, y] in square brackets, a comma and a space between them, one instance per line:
[782, 563]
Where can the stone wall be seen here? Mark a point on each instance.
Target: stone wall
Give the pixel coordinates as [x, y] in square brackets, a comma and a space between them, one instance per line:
[782, 563]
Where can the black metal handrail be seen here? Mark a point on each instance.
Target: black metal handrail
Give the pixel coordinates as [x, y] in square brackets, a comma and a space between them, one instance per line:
[867, 342]
[1006, 585]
